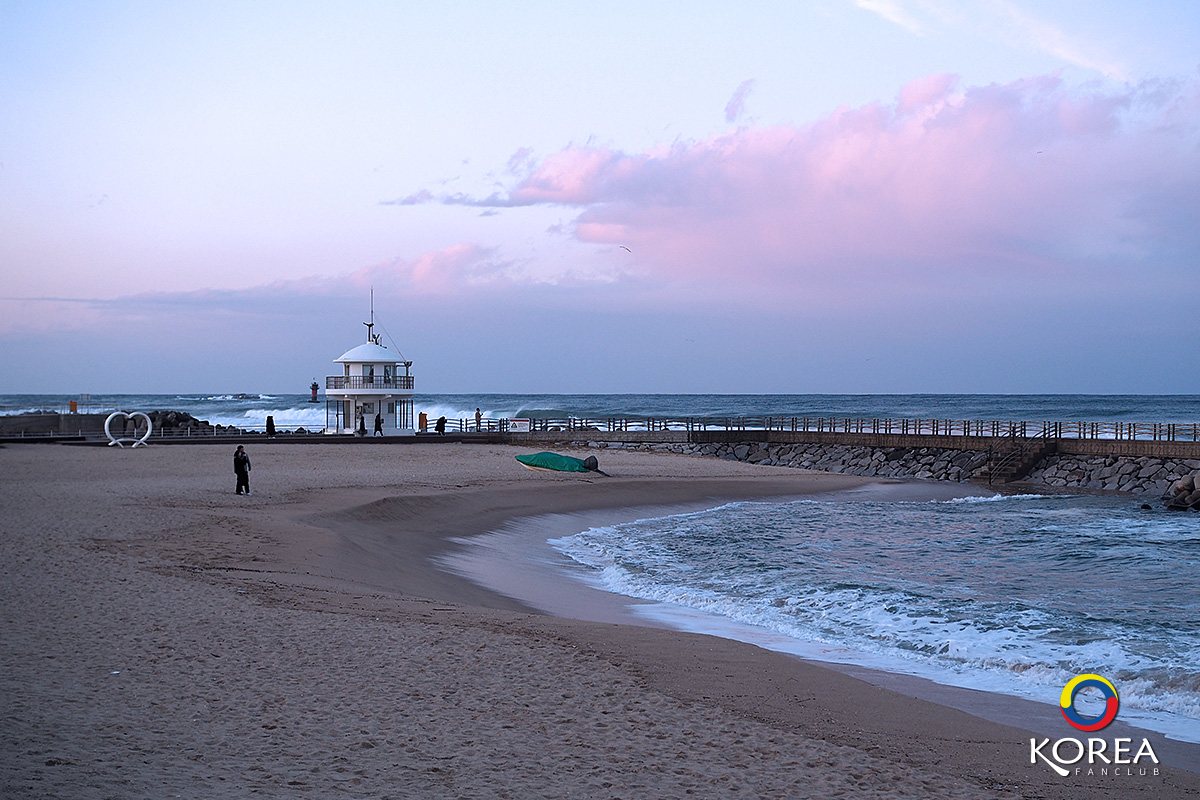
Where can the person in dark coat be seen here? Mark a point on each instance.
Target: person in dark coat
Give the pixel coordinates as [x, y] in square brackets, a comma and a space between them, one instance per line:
[241, 468]
[440, 427]
[378, 425]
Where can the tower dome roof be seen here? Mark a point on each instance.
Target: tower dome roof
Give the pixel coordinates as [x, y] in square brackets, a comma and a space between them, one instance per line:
[369, 353]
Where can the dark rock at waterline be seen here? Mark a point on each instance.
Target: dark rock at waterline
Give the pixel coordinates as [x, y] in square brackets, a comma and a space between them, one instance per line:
[1184, 494]
[167, 420]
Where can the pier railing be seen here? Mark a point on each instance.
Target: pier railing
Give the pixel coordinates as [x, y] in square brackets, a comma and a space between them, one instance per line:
[343, 382]
[580, 426]
[1026, 429]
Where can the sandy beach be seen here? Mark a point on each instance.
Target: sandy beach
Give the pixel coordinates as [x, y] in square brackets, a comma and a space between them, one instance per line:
[164, 637]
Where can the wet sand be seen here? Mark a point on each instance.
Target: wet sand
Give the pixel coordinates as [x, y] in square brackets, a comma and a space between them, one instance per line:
[165, 637]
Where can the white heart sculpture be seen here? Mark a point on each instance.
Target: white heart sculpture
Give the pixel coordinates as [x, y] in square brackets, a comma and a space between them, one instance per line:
[121, 442]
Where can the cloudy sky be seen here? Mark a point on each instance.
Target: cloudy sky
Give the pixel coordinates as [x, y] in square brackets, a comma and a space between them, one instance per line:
[821, 196]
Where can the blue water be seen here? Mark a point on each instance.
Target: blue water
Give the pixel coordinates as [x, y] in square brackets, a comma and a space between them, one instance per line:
[1006, 594]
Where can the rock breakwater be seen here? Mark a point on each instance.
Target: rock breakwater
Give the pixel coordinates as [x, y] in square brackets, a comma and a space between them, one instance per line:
[1142, 475]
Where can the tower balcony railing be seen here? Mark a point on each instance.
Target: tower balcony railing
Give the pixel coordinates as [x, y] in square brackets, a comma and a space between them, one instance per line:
[391, 382]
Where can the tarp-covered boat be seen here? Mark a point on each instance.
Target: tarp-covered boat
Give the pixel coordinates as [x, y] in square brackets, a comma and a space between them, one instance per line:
[558, 463]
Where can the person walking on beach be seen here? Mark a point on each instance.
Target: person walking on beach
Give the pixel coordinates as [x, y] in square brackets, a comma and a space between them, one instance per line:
[241, 468]
[378, 425]
[440, 427]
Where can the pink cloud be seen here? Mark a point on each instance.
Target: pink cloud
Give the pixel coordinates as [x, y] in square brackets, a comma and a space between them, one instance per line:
[925, 92]
[459, 266]
[1001, 181]
[574, 176]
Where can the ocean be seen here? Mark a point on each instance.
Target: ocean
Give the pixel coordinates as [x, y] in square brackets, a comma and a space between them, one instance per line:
[1007, 594]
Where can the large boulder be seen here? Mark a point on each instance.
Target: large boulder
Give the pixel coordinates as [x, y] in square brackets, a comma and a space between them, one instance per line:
[174, 419]
[1184, 493]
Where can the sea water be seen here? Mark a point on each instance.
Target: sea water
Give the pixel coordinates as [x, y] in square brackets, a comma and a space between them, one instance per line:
[1008, 594]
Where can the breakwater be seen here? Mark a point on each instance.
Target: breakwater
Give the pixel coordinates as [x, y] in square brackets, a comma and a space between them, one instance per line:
[1119, 470]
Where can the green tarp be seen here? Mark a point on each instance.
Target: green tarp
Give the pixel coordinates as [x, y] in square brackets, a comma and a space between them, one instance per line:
[554, 461]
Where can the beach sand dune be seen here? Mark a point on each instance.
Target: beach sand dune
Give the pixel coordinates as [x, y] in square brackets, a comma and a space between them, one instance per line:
[164, 637]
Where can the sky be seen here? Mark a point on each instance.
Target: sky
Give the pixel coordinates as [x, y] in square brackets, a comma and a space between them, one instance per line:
[831, 196]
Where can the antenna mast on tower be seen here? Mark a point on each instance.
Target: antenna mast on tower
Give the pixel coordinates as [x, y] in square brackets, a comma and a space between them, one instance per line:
[370, 338]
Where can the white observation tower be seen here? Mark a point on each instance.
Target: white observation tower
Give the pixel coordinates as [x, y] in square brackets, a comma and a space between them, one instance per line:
[375, 381]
